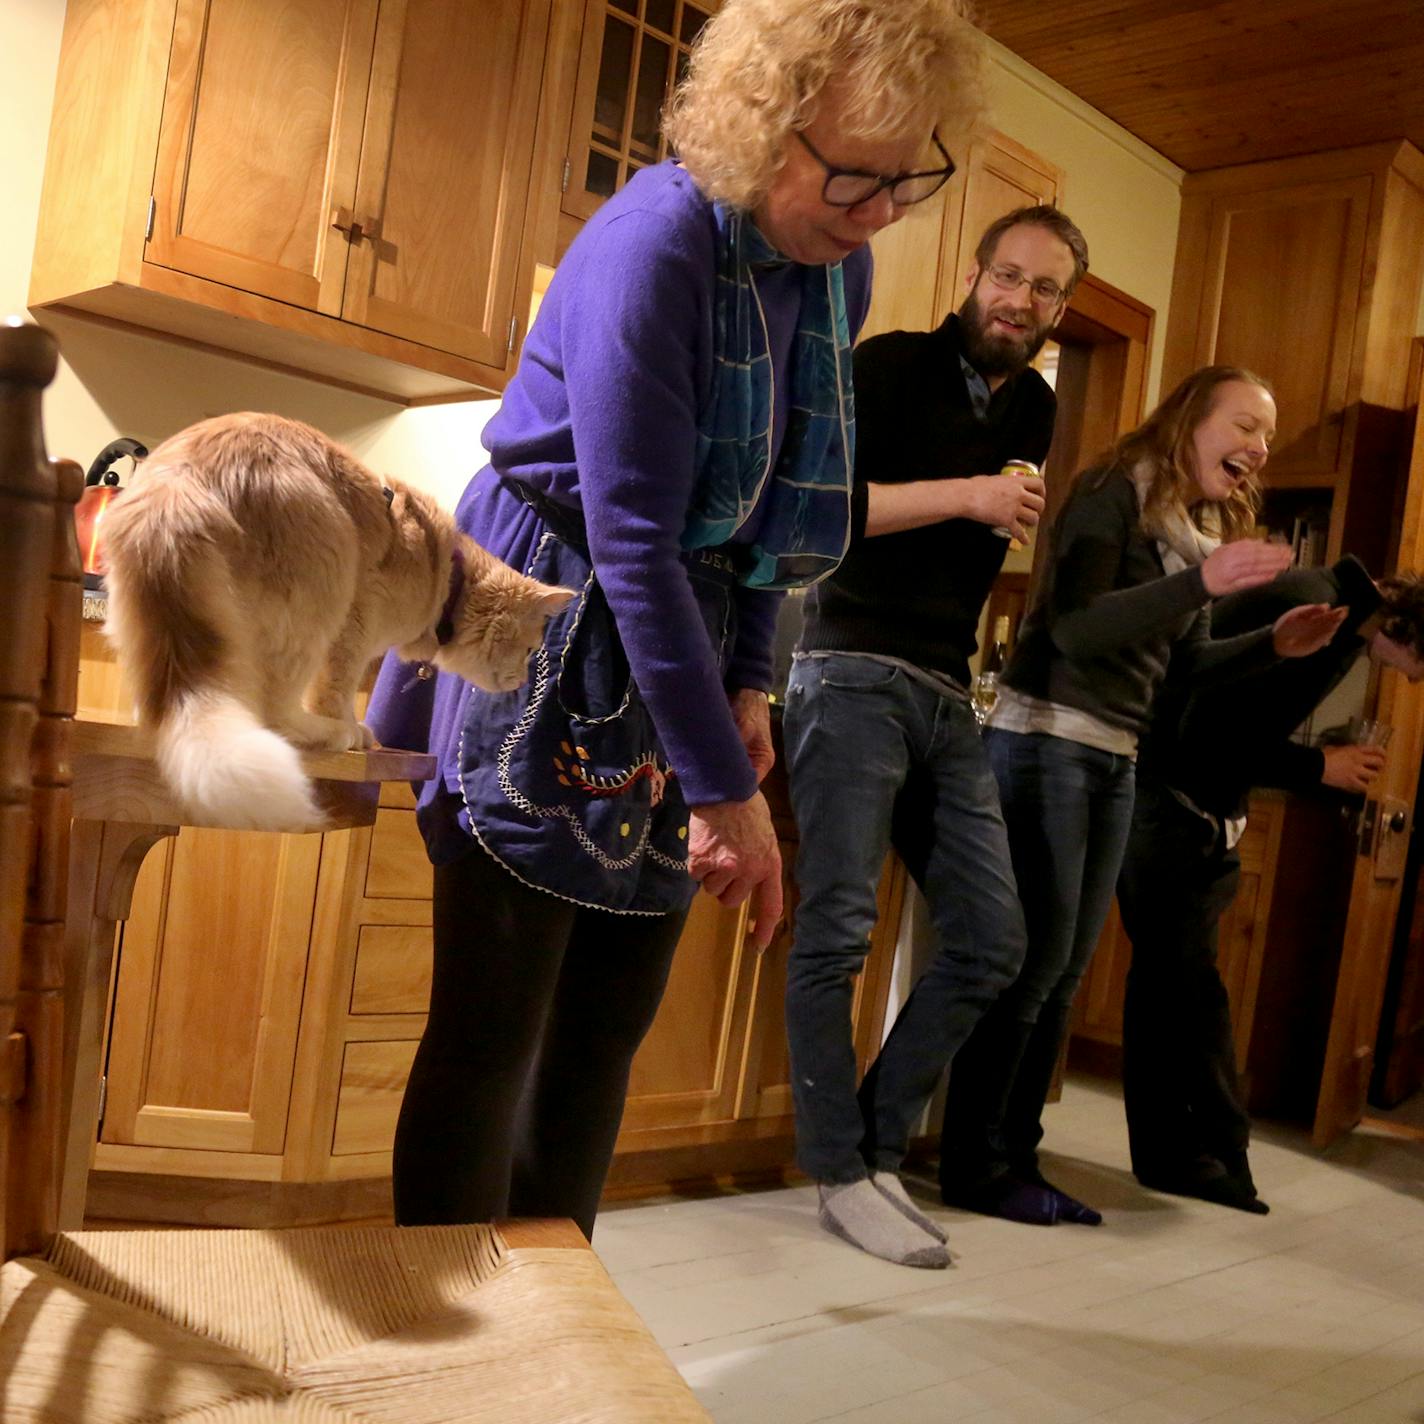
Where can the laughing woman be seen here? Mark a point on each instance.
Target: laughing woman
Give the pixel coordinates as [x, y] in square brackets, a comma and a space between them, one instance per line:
[1134, 557]
[676, 446]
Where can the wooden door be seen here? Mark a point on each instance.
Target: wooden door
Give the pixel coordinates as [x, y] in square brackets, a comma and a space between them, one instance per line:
[633, 53]
[259, 145]
[445, 170]
[209, 993]
[1379, 870]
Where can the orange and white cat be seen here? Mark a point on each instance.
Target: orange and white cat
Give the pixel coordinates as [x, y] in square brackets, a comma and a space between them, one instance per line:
[254, 571]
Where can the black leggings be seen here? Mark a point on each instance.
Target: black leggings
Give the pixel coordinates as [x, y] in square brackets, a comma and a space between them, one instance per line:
[536, 1009]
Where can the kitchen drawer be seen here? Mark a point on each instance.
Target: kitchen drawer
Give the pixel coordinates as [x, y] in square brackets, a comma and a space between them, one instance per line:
[397, 867]
[368, 1101]
[392, 970]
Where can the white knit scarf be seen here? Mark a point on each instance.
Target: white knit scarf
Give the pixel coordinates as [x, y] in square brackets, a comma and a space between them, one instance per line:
[1184, 538]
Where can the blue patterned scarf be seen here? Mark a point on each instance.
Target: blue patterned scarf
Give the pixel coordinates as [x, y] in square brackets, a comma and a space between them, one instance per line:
[806, 527]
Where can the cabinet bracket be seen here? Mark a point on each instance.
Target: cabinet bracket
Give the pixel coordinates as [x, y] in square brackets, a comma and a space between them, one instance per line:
[513, 332]
[148, 221]
[564, 181]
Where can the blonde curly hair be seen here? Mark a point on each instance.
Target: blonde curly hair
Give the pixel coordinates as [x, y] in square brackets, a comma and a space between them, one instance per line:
[759, 66]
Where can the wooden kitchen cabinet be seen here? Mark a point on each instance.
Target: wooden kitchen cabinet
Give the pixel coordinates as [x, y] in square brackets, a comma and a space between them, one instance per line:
[1241, 941]
[1308, 271]
[341, 187]
[633, 53]
[271, 991]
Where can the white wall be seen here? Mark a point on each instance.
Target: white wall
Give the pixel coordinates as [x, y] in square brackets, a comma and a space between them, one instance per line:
[1125, 196]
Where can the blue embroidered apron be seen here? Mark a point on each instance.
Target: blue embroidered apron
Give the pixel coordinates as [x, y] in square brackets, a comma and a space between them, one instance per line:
[564, 779]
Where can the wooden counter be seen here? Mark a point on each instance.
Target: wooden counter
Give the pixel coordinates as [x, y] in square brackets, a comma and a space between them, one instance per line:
[271, 990]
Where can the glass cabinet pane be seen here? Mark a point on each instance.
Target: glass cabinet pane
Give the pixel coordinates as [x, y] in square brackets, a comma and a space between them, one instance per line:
[652, 87]
[693, 20]
[641, 53]
[602, 174]
[615, 71]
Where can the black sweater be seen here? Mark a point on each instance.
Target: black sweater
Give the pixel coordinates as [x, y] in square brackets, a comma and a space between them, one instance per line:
[918, 594]
[1107, 617]
[1215, 744]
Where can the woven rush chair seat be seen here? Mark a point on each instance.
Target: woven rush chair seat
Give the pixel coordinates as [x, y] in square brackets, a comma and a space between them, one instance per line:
[405, 1325]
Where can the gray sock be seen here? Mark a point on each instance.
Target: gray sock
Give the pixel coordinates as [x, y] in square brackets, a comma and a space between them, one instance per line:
[889, 1185]
[857, 1213]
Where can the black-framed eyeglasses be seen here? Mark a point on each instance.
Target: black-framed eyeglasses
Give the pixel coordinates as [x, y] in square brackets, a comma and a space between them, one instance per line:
[1010, 279]
[849, 187]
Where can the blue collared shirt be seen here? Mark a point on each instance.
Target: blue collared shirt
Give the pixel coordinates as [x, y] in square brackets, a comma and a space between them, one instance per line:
[978, 387]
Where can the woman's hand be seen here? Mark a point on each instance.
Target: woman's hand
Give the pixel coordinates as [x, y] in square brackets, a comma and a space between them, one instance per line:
[1352, 768]
[732, 853]
[1305, 630]
[1247, 563]
[752, 713]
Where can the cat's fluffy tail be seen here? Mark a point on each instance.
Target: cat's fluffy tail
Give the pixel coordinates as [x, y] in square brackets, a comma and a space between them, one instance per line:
[224, 764]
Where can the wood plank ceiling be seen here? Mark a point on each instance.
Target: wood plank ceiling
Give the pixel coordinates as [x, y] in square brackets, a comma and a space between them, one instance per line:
[1231, 81]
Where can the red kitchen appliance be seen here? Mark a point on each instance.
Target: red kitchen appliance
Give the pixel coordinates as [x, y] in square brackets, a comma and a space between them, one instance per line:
[101, 487]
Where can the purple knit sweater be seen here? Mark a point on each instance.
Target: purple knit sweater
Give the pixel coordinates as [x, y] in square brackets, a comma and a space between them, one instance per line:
[602, 416]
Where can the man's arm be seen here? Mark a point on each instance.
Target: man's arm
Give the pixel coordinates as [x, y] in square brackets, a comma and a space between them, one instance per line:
[1013, 504]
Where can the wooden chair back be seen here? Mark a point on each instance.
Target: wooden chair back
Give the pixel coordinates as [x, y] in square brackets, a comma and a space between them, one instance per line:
[41, 595]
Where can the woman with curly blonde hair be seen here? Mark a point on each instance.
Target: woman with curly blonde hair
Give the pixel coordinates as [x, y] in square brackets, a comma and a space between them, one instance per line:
[1134, 556]
[676, 446]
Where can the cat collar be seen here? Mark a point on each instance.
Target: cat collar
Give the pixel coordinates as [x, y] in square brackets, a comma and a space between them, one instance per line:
[445, 628]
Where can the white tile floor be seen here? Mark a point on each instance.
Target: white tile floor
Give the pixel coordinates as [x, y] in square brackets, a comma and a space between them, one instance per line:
[1171, 1311]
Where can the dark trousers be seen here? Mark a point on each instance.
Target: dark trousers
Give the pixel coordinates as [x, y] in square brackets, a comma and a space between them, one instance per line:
[1067, 808]
[536, 1009]
[857, 731]
[1180, 1086]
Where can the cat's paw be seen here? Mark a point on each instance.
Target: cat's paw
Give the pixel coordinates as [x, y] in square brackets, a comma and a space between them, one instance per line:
[365, 737]
[324, 734]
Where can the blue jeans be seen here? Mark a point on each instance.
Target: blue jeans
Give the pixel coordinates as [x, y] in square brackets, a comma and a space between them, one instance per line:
[859, 734]
[1068, 809]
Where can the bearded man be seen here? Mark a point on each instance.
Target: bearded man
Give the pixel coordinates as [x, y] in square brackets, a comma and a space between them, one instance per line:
[878, 705]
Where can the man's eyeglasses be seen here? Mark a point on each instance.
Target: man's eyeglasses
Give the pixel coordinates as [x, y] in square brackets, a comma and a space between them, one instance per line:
[1010, 279]
[849, 187]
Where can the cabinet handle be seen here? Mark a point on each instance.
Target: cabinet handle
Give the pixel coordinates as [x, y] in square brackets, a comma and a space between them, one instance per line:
[355, 225]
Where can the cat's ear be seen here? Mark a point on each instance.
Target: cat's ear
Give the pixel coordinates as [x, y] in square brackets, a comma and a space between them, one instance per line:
[553, 600]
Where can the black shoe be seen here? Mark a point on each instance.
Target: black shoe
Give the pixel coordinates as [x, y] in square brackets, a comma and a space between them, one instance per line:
[1211, 1182]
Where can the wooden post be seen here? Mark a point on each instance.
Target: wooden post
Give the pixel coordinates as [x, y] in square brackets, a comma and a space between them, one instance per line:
[29, 487]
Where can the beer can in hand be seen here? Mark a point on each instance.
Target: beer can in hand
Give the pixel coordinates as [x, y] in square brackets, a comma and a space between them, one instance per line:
[1023, 470]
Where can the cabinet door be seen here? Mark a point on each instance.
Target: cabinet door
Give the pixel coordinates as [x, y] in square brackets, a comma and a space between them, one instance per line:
[634, 52]
[687, 1071]
[259, 145]
[1274, 280]
[767, 1074]
[445, 169]
[209, 992]
[1241, 939]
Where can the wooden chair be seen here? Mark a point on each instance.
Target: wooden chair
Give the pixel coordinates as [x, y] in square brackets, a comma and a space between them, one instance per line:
[512, 1322]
